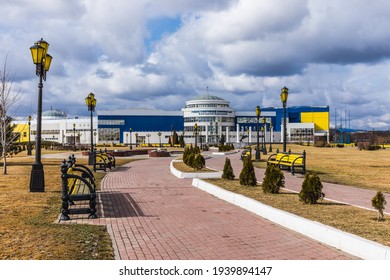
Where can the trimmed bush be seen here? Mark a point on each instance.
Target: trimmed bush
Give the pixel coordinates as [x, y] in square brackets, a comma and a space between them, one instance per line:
[273, 179]
[379, 202]
[311, 190]
[247, 175]
[198, 162]
[228, 173]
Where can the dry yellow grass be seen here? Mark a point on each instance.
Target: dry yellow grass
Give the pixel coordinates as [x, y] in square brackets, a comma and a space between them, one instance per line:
[179, 165]
[28, 229]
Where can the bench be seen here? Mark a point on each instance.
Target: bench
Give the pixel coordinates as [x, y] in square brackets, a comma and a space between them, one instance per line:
[78, 184]
[246, 153]
[294, 162]
[103, 161]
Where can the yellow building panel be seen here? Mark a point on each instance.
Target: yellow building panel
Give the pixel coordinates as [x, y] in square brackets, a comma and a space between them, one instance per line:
[320, 119]
[22, 129]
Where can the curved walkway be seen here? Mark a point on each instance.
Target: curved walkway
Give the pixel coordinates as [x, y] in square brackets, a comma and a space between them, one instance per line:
[151, 214]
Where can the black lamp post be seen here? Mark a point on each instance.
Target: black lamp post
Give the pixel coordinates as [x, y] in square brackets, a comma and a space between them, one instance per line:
[90, 100]
[283, 98]
[159, 138]
[148, 135]
[131, 146]
[42, 61]
[29, 136]
[136, 139]
[196, 134]
[270, 137]
[264, 121]
[258, 112]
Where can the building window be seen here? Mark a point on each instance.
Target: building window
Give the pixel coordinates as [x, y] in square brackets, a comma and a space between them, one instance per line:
[111, 122]
[301, 134]
[109, 134]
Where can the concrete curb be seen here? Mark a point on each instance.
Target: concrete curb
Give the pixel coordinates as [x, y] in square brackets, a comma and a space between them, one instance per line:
[338, 239]
[224, 153]
[191, 175]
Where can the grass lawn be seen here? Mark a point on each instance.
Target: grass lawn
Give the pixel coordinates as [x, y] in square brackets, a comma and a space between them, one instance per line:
[28, 228]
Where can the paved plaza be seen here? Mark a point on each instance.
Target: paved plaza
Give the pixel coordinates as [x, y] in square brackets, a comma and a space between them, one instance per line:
[152, 215]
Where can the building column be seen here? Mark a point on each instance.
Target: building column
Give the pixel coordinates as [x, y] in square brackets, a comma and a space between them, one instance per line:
[207, 134]
[227, 134]
[238, 133]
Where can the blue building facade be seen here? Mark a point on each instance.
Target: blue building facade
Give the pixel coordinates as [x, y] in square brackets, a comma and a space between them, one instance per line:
[115, 126]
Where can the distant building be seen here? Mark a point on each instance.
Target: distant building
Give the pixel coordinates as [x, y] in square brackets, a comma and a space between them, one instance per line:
[214, 116]
[57, 127]
[215, 119]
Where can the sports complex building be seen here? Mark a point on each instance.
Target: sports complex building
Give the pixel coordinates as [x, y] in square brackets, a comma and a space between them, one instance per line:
[214, 117]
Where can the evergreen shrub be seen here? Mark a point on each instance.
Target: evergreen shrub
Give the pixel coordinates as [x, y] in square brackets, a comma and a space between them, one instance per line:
[311, 190]
[247, 175]
[379, 202]
[273, 179]
[228, 173]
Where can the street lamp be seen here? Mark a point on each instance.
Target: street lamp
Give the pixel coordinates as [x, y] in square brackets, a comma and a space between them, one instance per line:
[148, 135]
[271, 132]
[159, 138]
[258, 112]
[131, 146]
[29, 136]
[136, 139]
[283, 98]
[90, 100]
[42, 61]
[74, 137]
[264, 121]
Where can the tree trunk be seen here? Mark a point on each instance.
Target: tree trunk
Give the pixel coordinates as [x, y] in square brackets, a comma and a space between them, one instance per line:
[4, 162]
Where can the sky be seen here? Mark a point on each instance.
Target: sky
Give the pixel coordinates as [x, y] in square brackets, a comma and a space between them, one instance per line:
[160, 53]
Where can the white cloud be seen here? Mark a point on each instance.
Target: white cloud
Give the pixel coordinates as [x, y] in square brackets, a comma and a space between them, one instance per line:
[327, 52]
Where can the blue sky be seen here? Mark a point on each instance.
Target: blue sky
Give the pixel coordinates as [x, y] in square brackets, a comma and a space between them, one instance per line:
[160, 53]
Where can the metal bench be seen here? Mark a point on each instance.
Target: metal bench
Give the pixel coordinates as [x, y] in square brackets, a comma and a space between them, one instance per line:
[294, 162]
[78, 184]
[103, 161]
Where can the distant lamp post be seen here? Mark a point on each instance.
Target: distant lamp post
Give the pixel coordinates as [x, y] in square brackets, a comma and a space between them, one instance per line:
[136, 139]
[90, 100]
[148, 135]
[264, 121]
[74, 137]
[159, 138]
[283, 98]
[131, 146]
[271, 132]
[258, 112]
[29, 136]
[42, 61]
[196, 134]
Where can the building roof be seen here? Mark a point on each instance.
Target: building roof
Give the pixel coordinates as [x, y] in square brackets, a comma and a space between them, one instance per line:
[140, 112]
[54, 114]
[208, 97]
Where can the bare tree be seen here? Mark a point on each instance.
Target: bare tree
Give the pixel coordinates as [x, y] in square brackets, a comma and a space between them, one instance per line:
[8, 98]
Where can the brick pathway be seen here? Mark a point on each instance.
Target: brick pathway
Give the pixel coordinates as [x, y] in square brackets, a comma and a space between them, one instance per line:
[151, 215]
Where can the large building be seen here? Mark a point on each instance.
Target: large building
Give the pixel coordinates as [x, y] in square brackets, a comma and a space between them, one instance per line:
[215, 119]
